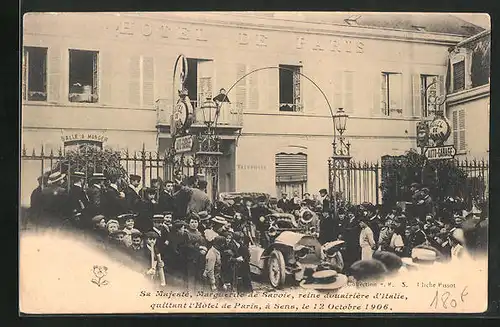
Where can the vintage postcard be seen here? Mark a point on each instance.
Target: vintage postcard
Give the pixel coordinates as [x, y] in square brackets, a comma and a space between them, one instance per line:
[254, 162]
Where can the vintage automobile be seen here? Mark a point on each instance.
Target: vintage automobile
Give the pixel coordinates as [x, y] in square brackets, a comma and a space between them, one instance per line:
[289, 253]
[226, 200]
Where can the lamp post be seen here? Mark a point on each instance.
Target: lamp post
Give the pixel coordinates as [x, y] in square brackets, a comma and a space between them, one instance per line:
[339, 162]
[208, 154]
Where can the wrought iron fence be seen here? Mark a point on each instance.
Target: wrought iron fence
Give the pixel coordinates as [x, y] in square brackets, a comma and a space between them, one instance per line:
[388, 182]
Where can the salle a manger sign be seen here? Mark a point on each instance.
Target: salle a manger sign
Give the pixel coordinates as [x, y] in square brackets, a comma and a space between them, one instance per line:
[72, 140]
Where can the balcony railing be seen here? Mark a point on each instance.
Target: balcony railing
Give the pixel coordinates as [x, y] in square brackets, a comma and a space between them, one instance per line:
[231, 115]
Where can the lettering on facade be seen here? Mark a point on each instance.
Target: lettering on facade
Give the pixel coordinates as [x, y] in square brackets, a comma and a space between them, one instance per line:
[300, 42]
[252, 167]
[147, 29]
[336, 45]
[318, 46]
[84, 137]
[200, 36]
[126, 27]
[243, 38]
[183, 33]
[165, 31]
[261, 40]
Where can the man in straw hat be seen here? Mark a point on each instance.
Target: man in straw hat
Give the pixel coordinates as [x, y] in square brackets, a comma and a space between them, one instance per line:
[54, 199]
[421, 257]
[325, 281]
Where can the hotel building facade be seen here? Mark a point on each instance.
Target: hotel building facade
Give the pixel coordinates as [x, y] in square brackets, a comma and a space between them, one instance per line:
[110, 75]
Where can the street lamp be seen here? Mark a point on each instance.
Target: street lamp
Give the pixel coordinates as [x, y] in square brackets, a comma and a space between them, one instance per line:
[340, 120]
[208, 154]
[339, 162]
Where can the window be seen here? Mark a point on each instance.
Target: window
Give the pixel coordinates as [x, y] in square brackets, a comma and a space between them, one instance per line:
[141, 81]
[392, 104]
[458, 116]
[83, 76]
[199, 80]
[459, 76]
[343, 86]
[429, 98]
[291, 173]
[35, 74]
[290, 92]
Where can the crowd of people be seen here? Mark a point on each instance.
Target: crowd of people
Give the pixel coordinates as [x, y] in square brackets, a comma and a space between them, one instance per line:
[173, 229]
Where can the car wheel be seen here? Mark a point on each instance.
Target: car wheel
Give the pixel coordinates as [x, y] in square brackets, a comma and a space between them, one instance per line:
[276, 269]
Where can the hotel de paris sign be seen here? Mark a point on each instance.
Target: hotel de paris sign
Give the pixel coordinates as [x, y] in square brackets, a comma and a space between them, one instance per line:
[259, 39]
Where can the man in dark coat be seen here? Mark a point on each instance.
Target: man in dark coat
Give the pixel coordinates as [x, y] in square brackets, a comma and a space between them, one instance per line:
[259, 213]
[132, 193]
[166, 199]
[182, 196]
[115, 203]
[148, 208]
[243, 276]
[328, 224]
[95, 194]
[283, 203]
[78, 200]
[54, 199]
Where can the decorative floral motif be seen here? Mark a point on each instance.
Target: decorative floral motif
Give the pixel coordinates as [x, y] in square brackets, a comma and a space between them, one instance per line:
[100, 272]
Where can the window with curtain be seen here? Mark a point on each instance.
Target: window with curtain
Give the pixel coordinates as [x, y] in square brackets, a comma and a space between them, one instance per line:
[290, 88]
[34, 77]
[391, 94]
[83, 76]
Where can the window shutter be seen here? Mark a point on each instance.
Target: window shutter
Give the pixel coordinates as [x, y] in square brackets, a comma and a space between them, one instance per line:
[297, 96]
[416, 83]
[241, 88]
[378, 91]
[54, 74]
[106, 72]
[253, 94]
[25, 73]
[348, 92]
[440, 85]
[95, 74]
[461, 129]
[206, 90]
[134, 91]
[291, 167]
[274, 92]
[148, 81]
[455, 129]
[338, 101]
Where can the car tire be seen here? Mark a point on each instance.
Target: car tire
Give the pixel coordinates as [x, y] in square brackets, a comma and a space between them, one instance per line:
[276, 269]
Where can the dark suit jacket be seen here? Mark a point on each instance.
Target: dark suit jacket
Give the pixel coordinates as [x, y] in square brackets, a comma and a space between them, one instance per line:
[166, 202]
[115, 205]
[283, 204]
[258, 212]
[78, 200]
[133, 199]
